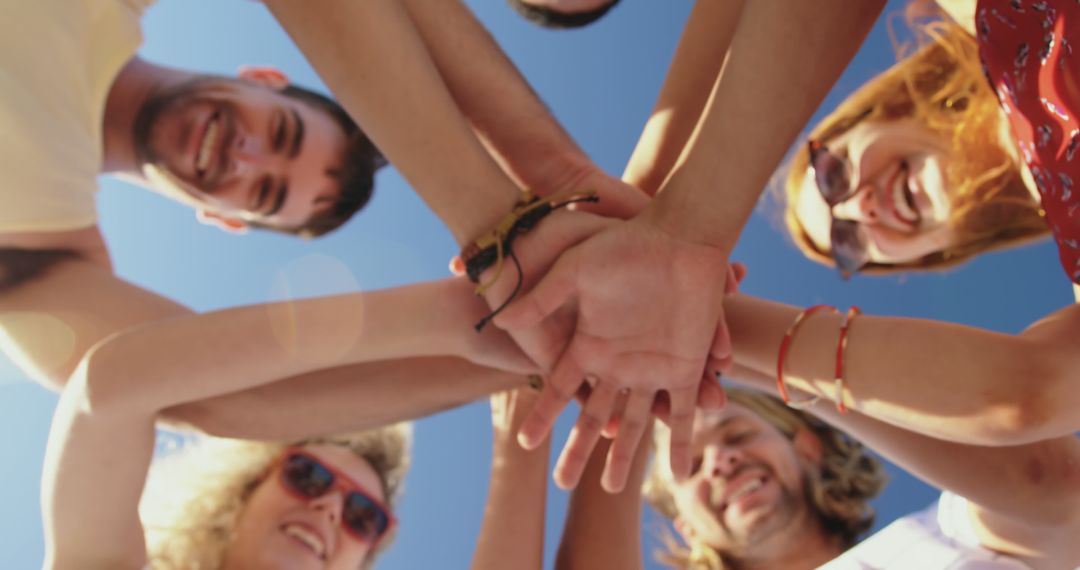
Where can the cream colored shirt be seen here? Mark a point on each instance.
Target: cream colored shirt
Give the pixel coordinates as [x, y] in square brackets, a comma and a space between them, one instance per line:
[58, 59]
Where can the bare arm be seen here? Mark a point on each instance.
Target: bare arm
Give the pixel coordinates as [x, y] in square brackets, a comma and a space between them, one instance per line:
[345, 398]
[696, 67]
[603, 530]
[512, 534]
[372, 57]
[95, 470]
[1027, 496]
[942, 379]
[514, 124]
[205, 356]
[47, 330]
[768, 90]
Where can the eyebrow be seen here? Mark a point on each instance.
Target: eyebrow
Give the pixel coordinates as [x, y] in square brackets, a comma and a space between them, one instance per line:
[298, 134]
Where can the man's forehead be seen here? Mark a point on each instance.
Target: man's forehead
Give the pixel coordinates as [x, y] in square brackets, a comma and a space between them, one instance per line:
[730, 414]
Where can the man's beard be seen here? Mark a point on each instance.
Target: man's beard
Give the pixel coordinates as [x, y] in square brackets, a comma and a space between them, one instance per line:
[784, 520]
[158, 106]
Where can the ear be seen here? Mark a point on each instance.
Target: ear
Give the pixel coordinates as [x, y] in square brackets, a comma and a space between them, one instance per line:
[808, 446]
[266, 76]
[226, 223]
[685, 529]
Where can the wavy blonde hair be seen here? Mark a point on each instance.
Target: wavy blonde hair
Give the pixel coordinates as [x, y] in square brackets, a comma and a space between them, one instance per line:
[839, 492]
[942, 86]
[194, 497]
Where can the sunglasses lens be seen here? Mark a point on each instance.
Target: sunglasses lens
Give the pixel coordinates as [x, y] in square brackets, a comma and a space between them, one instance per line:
[848, 246]
[365, 518]
[830, 174]
[306, 476]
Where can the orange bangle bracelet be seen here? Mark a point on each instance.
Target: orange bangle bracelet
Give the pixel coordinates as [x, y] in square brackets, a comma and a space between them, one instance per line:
[841, 348]
[782, 357]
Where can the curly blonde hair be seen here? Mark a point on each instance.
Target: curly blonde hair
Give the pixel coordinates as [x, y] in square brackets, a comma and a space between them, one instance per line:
[839, 492]
[943, 87]
[194, 497]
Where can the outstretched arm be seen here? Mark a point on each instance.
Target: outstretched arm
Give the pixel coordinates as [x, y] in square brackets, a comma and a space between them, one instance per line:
[47, 330]
[942, 379]
[513, 123]
[694, 71]
[373, 58]
[205, 356]
[603, 530]
[95, 470]
[512, 534]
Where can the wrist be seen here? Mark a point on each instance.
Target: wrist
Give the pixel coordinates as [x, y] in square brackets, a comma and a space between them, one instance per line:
[480, 215]
[560, 170]
[678, 219]
[455, 310]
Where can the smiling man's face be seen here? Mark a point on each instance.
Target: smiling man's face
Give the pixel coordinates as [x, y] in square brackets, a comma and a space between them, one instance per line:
[747, 489]
[244, 149]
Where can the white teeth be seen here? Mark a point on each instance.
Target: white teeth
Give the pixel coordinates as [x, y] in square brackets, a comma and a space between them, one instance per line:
[746, 488]
[900, 201]
[203, 159]
[310, 539]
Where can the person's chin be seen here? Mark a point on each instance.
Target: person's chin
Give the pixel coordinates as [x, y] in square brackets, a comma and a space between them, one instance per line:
[752, 511]
[283, 553]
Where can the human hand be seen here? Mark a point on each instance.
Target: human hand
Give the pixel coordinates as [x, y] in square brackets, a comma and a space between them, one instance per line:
[617, 199]
[576, 173]
[536, 252]
[649, 313]
[710, 393]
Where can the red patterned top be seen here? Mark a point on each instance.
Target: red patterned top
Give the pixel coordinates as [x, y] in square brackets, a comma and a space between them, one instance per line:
[1026, 47]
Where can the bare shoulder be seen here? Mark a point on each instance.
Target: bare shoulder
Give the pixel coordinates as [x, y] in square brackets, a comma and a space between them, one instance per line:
[62, 297]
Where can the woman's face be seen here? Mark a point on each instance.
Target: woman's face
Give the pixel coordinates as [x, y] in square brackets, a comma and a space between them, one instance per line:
[898, 192]
[277, 530]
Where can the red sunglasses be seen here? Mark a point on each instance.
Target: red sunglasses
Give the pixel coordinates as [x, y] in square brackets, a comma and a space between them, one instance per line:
[363, 516]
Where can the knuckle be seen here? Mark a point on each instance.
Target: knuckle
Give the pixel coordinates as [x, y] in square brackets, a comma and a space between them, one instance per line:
[680, 417]
[574, 455]
[631, 425]
[619, 459]
[561, 392]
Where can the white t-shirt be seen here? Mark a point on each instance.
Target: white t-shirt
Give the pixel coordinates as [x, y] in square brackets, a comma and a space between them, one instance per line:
[58, 60]
[939, 537]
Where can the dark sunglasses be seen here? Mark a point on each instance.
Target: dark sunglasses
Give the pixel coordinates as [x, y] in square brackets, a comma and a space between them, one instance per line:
[832, 175]
[363, 516]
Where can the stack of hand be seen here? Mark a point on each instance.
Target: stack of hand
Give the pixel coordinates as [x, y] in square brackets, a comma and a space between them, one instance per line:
[625, 314]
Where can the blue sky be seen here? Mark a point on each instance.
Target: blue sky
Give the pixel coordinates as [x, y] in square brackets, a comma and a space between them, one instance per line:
[601, 84]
